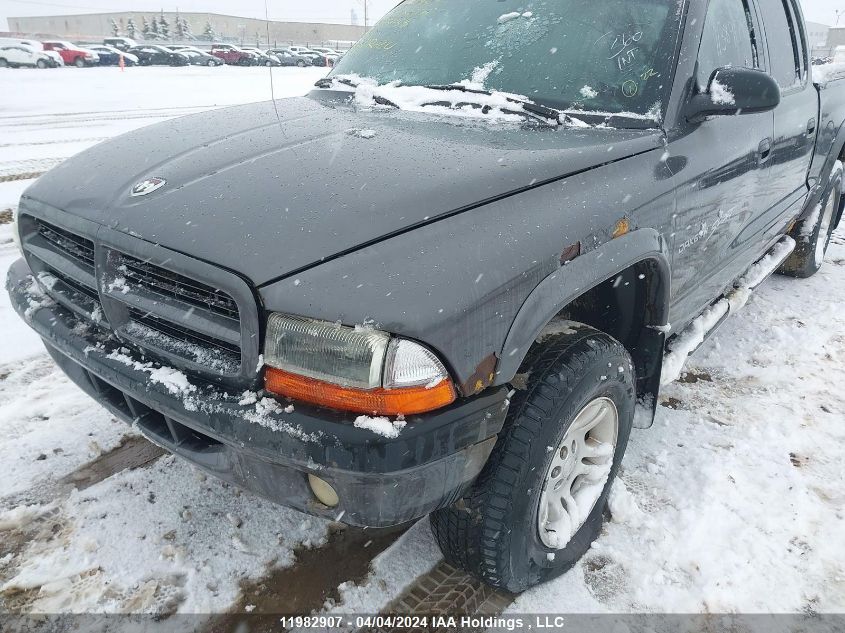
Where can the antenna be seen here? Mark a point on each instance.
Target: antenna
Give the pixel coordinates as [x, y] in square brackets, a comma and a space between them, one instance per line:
[270, 68]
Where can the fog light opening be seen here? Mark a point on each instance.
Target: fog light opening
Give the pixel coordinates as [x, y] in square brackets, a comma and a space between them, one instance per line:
[323, 491]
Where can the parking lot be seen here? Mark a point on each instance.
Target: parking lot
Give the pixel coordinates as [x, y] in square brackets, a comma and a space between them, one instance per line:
[744, 461]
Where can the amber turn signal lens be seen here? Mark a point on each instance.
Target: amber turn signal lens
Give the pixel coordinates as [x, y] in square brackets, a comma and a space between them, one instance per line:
[379, 401]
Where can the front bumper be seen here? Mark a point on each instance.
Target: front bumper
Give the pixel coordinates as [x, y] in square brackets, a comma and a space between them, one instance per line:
[256, 445]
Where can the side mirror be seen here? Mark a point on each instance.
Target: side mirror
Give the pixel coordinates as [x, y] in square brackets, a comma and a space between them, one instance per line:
[735, 91]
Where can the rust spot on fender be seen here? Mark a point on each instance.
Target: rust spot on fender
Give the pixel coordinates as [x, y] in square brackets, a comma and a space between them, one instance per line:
[622, 227]
[570, 252]
[482, 377]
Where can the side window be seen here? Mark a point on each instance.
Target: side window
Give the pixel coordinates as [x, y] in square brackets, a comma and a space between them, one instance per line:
[800, 40]
[728, 39]
[782, 35]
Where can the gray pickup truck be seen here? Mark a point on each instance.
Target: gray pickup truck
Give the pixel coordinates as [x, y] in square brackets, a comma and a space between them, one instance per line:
[446, 280]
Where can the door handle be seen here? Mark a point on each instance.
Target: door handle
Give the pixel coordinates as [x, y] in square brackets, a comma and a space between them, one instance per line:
[764, 150]
[811, 126]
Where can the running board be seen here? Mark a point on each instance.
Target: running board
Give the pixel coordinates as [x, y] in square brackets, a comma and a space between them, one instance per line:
[699, 330]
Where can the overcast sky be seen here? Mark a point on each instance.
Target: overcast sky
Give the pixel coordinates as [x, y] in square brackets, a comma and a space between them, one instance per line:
[294, 10]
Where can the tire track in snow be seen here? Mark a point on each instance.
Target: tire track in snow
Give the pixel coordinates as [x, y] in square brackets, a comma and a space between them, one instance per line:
[28, 168]
[317, 574]
[92, 139]
[95, 115]
[127, 451]
[52, 122]
[447, 591]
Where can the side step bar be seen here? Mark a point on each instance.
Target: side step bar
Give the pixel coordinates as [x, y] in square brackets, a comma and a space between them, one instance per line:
[699, 330]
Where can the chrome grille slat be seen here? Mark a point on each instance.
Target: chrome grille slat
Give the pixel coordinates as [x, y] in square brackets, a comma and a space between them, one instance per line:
[75, 246]
[75, 297]
[172, 284]
[182, 315]
[65, 266]
[168, 328]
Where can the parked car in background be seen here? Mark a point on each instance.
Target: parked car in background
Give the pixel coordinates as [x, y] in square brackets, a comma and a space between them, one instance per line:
[262, 58]
[120, 43]
[58, 62]
[72, 54]
[328, 52]
[16, 55]
[234, 55]
[110, 56]
[319, 59]
[154, 55]
[300, 49]
[288, 58]
[197, 57]
[38, 46]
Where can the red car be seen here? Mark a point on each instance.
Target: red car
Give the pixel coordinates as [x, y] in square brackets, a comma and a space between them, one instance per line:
[234, 55]
[72, 54]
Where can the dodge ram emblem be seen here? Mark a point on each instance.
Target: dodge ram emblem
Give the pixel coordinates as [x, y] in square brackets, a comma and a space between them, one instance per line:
[148, 186]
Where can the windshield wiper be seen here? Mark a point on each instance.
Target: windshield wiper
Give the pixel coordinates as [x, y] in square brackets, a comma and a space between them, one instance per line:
[620, 120]
[329, 82]
[530, 107]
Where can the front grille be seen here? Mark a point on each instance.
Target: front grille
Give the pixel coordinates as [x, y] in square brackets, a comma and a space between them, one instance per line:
[169, 284]
[182, 341]
[186, 321]
[75, 286]
[73, 246]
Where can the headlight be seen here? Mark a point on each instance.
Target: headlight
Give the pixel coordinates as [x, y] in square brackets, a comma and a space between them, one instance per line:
[352, 369]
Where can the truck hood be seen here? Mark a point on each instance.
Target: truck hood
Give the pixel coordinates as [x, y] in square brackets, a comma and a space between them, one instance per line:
[269, 189]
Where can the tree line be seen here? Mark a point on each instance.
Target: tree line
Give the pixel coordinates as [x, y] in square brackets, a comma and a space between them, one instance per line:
[159, 28]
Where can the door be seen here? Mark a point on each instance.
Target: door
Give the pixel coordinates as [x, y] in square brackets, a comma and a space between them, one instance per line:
[15, 55]
[721, 166]
[795, 117]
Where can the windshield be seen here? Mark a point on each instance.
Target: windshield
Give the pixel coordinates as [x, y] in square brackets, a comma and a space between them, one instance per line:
[597, 55]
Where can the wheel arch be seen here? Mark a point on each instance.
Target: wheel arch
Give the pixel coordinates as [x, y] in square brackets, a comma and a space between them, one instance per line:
[622, 289]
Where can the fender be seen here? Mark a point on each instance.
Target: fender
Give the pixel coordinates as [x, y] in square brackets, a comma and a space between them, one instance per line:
[820, 184]
[581, 275]
[830, 145]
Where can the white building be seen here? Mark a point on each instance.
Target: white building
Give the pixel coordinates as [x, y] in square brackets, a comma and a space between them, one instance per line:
[817, 35]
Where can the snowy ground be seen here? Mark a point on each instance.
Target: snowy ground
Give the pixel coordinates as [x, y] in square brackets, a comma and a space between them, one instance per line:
[733, 501]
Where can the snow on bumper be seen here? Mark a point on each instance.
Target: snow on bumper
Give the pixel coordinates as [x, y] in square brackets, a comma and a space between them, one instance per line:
[265, 446]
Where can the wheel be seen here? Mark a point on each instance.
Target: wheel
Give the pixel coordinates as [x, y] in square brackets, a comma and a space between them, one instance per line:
[300, 63]
[210, 62]
[812, 236]
[268, 63]
[79, 62]
[538, 504]
[3, 62]
[41, 63]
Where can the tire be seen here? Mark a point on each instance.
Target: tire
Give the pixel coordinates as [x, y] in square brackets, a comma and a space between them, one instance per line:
[300, 63]
[493, 533]
[41, 64]
[79, 62]
[812, 236]
[3, 62]
[210, 62]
